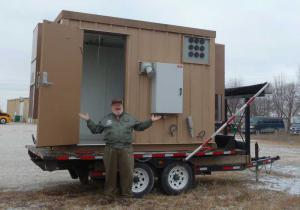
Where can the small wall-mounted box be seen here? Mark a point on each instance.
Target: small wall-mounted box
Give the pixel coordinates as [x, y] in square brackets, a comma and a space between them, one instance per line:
[167, 88]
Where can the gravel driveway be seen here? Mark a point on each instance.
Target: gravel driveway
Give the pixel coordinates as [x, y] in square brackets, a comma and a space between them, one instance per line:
[17, 170]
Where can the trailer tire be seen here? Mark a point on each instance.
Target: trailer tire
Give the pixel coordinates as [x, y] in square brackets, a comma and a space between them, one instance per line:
[143, 179]
[176, 178]
[83, 174]
[84, 179]
[73, 174]
[3, 121]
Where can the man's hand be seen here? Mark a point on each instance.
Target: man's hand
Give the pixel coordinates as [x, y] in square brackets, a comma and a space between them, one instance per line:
[155, 118]
[84, 116]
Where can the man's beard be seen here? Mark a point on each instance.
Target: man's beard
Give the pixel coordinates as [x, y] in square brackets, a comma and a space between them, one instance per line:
[118, 112]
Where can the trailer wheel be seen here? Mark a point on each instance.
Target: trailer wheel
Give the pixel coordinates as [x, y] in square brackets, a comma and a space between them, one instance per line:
[83, 174]
[84, 179]
[143, 179]
[2, 121]
[73, 173]
[176, 178]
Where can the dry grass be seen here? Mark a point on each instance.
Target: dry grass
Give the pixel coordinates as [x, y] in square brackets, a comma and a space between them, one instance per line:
[221, 191]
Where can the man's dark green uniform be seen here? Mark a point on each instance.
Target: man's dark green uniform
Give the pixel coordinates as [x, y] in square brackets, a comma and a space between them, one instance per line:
[118, 154]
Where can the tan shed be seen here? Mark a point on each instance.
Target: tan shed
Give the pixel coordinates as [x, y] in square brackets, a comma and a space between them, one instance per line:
[18, 107]
[81, 61]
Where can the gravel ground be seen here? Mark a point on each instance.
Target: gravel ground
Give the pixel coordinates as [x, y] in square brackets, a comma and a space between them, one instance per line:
[17, 171]
[285, 174]
[25, 186]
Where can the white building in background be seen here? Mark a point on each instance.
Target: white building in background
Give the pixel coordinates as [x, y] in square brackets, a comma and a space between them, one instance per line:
[18, 107]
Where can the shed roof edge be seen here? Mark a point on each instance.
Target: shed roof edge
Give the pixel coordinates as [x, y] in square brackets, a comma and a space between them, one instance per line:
[64, 14]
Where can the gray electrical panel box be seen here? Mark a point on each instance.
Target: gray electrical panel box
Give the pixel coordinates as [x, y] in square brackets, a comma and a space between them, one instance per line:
[195, 50]
[167, 88]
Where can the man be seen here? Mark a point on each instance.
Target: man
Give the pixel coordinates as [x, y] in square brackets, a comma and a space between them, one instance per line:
[117, 128]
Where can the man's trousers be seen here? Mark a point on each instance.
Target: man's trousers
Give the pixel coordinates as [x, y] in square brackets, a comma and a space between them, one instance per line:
[118, 160]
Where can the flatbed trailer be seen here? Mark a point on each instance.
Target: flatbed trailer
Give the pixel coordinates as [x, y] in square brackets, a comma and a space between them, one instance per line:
[175, 175]
[170, 165]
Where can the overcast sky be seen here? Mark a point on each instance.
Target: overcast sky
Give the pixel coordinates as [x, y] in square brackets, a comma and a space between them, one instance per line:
[261, 37]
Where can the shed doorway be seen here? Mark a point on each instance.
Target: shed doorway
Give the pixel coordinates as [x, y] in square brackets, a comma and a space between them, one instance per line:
[103, 79]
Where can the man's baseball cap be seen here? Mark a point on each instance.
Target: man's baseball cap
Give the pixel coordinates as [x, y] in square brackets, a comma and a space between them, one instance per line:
[116, 101]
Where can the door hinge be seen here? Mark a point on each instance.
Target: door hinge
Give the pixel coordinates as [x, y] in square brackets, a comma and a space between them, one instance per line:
[43, 79]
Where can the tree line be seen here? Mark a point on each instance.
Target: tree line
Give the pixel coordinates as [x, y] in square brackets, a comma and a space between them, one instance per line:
[282, 101]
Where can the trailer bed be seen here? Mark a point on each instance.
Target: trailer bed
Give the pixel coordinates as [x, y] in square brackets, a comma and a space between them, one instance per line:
[94, 153]
[86, 162]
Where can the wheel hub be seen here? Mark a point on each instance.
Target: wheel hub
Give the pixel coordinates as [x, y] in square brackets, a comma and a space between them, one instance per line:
[178, 178]
[136, 179]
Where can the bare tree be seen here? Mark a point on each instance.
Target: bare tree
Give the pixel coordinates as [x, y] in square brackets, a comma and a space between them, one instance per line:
[262, 106]
[234, 103]
[298, 81]
[286, 99]
[298, 92]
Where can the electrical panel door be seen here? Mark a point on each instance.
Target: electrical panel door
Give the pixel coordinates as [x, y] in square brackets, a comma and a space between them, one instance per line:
[167, 88]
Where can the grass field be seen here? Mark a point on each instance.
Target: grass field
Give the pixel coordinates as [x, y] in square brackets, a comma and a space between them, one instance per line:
[222, 191]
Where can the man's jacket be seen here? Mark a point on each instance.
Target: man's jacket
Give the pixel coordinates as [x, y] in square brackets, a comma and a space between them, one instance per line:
[118, 133]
